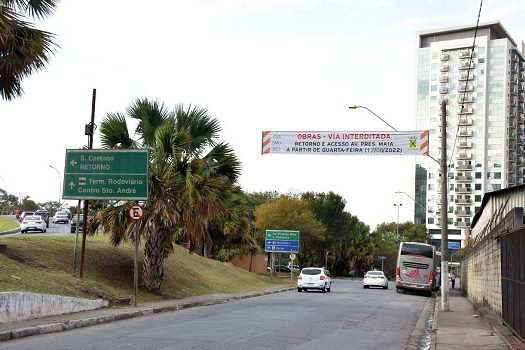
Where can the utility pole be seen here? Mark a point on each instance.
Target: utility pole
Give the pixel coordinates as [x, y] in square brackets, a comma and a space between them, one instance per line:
[397, 224]
[444, 210]
[89, 131]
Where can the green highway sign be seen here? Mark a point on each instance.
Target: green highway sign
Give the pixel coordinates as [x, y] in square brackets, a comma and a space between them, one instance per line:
[106, 174]
[283, 235]
[281, 241]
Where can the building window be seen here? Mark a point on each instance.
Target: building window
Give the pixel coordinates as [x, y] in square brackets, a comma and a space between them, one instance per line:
[477, 198]
[477, 175]
[431, 221]
[476, 209]
[496, 187]
[477, 187]
[481, 60]
[433, 88]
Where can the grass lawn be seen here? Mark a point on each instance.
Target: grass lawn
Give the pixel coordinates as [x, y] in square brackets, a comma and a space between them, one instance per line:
[8, 224]
[44, 265]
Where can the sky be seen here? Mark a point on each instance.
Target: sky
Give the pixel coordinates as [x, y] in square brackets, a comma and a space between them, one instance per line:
[255, 65]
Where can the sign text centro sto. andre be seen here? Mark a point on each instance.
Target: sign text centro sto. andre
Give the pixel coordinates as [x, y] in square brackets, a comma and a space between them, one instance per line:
[412, 143]
[106, 174]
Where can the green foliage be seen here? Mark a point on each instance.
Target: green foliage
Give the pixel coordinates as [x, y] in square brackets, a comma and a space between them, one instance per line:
[286, 213]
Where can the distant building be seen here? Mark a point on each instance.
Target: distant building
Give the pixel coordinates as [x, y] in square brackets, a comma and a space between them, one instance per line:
[485, 94]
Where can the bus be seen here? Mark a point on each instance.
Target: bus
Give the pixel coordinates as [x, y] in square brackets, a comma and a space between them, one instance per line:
[416, 267]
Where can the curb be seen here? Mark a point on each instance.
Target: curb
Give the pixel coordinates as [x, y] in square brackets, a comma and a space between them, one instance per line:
[86, 322]
[15, 230]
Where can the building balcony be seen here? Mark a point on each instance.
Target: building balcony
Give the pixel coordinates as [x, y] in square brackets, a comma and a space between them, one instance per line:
[466, 76]
[461, 224]
[513, 90]
[443, 78]
[466, 65]
[514, 57]
[464, 145]
[443, 67]
[466, 99]
[465, 133]
[467, 88]
[462, 166]
[465, 121]
[443, 90]
[444, 56]
[462, 189]
[466, 53]
[462, 201]
[463, 178]
[443, 99]
[466, 110]
[463, 213]
[464, 155]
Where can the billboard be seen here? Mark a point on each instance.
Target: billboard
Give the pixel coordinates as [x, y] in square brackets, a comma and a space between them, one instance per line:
[399, 143]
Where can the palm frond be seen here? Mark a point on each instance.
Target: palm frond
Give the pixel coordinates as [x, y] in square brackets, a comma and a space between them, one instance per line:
[151, 115]
[114, 132]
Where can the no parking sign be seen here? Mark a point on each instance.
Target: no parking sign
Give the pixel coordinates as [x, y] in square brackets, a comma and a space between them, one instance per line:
[136, 212]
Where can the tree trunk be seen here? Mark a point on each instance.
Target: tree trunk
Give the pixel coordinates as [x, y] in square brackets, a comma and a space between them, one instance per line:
[153, 263]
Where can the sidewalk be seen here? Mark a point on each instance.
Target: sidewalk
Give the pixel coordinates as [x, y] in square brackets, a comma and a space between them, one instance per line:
[467, 327]
[51, 324]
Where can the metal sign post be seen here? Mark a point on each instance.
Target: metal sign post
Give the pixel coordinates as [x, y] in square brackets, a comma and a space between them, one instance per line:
[135, 213]
[292, 258]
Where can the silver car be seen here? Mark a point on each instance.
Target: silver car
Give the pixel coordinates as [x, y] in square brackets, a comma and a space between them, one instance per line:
[61, 216]
[375, 279]
[314, 278]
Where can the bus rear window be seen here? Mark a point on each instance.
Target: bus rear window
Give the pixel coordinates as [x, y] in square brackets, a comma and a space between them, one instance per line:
[416, 249]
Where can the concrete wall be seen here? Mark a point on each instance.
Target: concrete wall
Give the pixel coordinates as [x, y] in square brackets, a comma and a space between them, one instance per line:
[15, 306]
[481, 274]
[252, 263]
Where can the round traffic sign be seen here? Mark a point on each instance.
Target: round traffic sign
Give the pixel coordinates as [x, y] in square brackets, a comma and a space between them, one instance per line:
[136, 212]
[292, 256]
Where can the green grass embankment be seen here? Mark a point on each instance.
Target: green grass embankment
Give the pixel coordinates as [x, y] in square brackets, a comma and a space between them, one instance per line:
[44, 265]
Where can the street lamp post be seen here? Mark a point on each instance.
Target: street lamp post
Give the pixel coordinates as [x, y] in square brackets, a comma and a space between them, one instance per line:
[356, 107]
[5, 185]
[397, 225]
[59, 185]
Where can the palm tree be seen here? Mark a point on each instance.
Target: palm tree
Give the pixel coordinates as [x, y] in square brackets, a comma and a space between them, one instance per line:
[23, 48]
[191, 178]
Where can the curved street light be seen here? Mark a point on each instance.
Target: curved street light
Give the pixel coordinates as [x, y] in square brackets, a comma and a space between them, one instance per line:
[59, 185]
[397, 225]
[5, 185]
[356, 107]
[425, 209]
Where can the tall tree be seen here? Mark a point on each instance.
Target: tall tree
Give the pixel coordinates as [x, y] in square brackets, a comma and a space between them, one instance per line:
[286, 213]
[23, 48]
[191, 178]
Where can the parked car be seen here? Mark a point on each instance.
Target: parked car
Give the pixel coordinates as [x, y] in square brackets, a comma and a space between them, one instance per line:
[314, 278]
[44, 214]
[61, 216]
[375, 279]
[73, 227]
[24, 214]
[294, 268]
[33, 223]
[282, 268]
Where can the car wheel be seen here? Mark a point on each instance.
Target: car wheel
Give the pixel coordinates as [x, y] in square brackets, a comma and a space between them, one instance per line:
[400, 290]
[22, 231]
[45, 230]
[329, 289]
[366, 287]
[385, 287]
[299, 290]
[324, 289]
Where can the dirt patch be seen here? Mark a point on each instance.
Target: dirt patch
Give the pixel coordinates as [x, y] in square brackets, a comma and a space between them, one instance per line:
[11, 254]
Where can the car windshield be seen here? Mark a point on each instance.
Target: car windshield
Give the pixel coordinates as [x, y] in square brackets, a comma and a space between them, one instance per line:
[311, 271]
[374, 273]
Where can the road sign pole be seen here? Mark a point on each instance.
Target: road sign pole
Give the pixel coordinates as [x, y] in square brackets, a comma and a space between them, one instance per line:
[76, 239]
[136, 265]
[89, 131]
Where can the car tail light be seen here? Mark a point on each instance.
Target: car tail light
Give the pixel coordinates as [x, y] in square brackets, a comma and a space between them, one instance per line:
[398, 273]
[430, 277]
[322, 277]
[300, 277]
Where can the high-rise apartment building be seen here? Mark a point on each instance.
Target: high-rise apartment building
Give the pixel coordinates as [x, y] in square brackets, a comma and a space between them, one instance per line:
[484, 89]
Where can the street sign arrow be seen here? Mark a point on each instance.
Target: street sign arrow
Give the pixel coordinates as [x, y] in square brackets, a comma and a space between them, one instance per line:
[71, 184]
[73, 162]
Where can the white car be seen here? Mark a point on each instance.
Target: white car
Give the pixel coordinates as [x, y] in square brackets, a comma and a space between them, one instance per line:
[61, 216]
[314, 278]
[33, 223]
[375, 279]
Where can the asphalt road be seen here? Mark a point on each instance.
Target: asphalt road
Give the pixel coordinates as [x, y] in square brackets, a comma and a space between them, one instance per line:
[349, 317]
[52, 230]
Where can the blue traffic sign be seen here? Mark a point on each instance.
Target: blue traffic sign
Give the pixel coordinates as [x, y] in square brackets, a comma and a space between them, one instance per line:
[454, 245]
[282, 246]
